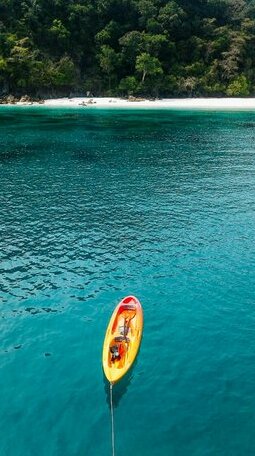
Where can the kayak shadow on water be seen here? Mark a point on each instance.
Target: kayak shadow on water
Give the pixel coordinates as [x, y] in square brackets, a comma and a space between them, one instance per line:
[119, 389]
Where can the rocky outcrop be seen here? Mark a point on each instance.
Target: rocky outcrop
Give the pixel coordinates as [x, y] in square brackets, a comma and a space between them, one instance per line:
[11, 99]
[131, 98]
[8, 99]
[26, 99]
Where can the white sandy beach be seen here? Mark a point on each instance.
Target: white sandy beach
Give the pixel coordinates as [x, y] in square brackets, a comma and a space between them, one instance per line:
[184, 103]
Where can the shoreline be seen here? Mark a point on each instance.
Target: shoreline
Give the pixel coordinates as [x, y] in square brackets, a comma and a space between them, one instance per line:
[167, 103]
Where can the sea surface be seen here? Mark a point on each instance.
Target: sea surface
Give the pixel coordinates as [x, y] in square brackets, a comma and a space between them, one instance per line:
[98, 204]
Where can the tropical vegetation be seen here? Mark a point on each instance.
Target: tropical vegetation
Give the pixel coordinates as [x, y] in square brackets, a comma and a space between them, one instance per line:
[128, 47]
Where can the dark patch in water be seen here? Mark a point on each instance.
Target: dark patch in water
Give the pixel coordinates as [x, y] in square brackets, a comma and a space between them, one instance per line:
[89, 155]
[34, 311]
[16, 347]
[16, 153]
[48, 309]
[247, 124]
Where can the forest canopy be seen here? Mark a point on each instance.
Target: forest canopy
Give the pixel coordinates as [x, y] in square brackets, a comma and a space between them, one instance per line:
[127, 47]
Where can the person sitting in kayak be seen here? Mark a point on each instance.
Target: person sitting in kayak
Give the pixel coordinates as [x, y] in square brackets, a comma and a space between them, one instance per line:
[117, 350]
[114, 349]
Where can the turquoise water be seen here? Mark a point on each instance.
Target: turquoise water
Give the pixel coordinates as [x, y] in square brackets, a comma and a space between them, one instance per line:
[95, 205]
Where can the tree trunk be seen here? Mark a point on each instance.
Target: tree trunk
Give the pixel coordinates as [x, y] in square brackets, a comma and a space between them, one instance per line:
[144, 74]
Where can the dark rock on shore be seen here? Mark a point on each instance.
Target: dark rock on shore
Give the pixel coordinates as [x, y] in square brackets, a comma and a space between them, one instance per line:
[131, 98]
[8, 99]
[11, 99]
[26, 99]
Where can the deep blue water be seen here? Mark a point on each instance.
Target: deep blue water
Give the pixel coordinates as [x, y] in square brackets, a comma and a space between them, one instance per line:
[98, 204]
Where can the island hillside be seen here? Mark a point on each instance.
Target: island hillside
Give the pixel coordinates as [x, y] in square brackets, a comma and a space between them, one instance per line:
[152, 48]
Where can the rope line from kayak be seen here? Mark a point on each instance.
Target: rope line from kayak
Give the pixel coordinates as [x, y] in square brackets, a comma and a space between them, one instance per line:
[112, 418]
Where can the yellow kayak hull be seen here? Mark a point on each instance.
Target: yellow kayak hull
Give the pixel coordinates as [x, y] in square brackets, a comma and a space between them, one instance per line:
[122, 338]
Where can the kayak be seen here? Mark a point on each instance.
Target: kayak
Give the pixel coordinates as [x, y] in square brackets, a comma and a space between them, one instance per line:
[122, 338]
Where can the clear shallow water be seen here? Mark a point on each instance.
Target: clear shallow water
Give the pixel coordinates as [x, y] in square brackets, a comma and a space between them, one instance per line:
[95, 205]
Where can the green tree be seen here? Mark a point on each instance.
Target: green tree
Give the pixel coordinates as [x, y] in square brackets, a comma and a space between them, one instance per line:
[147, 10]
[3, 64]
[172, 17]
[239, 87]
[58, 30]
[20, 61]
[108, 60]
[132, 44]
[233, 57]
[64, 73]
[128, 85]
[109, 34]
[153, 44]
[148, 65]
